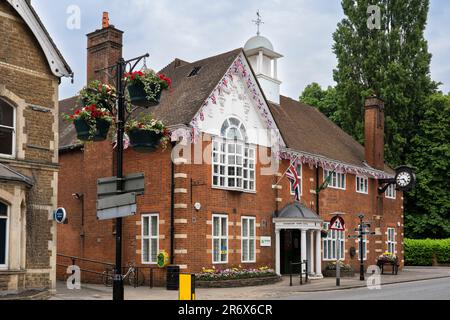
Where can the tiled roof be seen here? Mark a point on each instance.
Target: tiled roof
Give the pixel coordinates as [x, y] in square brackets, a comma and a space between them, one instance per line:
[303, 127]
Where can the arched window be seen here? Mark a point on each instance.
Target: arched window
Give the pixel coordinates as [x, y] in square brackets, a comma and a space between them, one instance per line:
[7, 128]
[233, 160]
[3, 235]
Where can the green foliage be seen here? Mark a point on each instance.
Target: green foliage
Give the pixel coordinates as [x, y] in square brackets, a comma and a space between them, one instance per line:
[394, 63]
[324, 100]
[423, 252]
[428, 205]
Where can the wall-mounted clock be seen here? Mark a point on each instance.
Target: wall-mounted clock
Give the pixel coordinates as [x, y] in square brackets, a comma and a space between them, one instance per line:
[404, 178]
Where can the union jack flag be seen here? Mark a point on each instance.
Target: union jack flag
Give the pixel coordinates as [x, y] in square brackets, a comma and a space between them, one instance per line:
[292, 175]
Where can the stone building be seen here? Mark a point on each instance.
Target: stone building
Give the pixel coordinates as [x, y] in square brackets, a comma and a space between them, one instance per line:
[31, 68]
[225, 208]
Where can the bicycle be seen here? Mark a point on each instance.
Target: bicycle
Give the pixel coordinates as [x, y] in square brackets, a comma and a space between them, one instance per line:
[133, 274]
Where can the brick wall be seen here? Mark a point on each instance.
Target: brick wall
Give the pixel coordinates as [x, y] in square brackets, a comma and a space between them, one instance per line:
[28, 84]
[193, 229]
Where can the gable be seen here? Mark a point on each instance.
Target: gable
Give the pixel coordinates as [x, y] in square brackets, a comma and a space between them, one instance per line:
[238, 95]
[57, 64]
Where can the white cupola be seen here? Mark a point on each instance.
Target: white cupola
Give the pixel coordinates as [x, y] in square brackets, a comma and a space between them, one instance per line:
[264, 60]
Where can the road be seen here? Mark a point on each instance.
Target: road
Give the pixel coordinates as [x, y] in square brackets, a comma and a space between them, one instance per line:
[436, 289]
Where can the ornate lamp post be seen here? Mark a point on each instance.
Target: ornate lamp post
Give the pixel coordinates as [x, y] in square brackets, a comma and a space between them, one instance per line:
[121, 117]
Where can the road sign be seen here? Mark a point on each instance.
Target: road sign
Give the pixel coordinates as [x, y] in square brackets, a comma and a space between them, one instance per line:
[337, 223]
[60, 215]
[118, 206]
[107, 187]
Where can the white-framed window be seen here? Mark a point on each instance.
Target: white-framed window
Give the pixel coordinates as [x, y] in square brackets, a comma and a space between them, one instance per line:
[7, 129]
[390, 192]
[391, 240]
[220, 238]
[362, 184]
[299, 172]
[150, 238]
[248, 239]
[4, 235]
[364, 246]
[233, 160]
[337, 180]
[329, 244]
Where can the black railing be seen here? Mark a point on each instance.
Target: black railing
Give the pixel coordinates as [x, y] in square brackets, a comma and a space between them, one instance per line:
[292, 264]
[108, 268]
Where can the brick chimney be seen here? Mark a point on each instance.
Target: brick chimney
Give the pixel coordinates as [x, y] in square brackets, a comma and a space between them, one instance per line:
[104, 48]
[374, 132]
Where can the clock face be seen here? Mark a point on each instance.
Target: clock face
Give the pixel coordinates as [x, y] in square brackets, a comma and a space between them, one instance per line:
[403, 179]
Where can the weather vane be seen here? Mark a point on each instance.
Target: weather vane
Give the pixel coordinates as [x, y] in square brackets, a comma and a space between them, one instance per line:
[258, 21]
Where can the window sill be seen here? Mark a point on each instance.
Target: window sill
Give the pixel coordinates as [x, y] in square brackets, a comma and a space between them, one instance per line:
[337, 188]
[364, 193]
[234, 189]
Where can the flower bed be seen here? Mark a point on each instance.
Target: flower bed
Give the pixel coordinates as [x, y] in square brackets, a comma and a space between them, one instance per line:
[235, 277]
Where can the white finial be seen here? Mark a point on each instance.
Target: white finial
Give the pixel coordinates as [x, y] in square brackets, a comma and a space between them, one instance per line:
[258, 22]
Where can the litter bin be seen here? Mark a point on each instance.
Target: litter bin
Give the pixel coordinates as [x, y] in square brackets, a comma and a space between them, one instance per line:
[173, 278]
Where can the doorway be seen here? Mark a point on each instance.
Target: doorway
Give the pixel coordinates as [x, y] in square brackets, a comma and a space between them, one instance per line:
[289, 250]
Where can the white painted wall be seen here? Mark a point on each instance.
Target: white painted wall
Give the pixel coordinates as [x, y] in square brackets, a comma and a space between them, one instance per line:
[237, 102]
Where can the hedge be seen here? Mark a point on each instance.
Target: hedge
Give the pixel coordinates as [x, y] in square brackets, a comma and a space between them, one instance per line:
[423, 252]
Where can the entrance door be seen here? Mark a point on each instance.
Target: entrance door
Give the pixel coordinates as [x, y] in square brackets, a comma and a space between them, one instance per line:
[289, 250]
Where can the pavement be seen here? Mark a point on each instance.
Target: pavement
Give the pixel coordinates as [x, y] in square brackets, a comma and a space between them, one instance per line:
[409, 277]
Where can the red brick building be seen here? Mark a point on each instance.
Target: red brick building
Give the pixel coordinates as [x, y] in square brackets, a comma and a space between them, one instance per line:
[218, 203]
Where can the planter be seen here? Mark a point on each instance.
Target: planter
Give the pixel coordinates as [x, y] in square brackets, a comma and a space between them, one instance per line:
[138, 96]
[344, 273]
[144, 140]
[83, 130]
[233, 283]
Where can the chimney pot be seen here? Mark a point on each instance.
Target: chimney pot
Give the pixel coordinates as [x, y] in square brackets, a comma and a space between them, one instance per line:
[105, 20]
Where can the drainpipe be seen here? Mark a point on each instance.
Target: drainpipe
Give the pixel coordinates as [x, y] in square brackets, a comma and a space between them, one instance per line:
[172, 208]
[317, 192]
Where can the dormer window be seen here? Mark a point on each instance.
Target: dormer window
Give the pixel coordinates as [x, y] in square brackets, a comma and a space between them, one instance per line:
[234, 161]
[7, 129]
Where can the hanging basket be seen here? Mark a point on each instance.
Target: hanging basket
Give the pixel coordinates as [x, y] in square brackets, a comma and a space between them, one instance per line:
[144, 140]
[100, 104]
[84, 130]
[138, 96]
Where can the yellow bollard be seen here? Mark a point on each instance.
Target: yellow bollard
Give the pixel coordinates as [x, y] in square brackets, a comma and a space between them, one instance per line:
[187, 287]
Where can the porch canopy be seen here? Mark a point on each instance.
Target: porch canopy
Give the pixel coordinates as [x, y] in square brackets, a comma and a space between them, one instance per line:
[296, 216]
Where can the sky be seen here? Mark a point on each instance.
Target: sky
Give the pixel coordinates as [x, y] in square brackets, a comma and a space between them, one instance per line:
[301, 30]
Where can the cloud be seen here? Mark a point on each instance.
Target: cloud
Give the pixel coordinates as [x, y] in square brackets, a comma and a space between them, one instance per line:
[301, 30]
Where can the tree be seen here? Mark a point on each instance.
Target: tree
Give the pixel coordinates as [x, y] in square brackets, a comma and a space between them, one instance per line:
[428, 206]
[324, 100]
[392, 62]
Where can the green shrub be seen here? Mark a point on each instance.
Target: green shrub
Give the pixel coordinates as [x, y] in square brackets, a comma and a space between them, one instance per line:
[423, 252]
